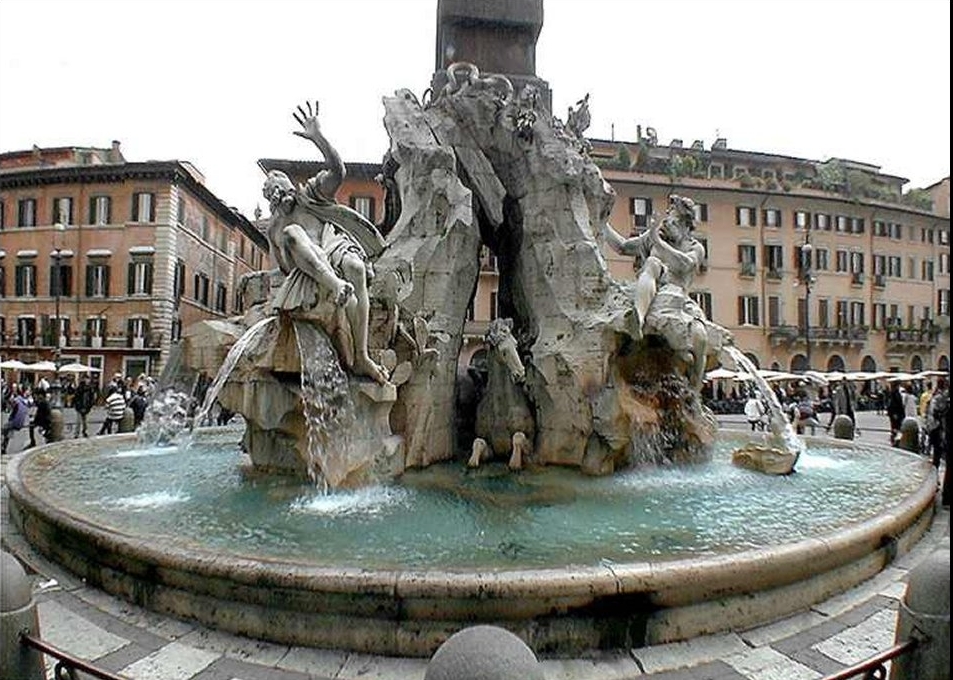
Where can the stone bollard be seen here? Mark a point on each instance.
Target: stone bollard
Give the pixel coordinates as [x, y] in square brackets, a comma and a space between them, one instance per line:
[483, 653]
[17, 614]
[910, 434]
[843, 427]
[128, 422]
[925, 615]
[56, 425]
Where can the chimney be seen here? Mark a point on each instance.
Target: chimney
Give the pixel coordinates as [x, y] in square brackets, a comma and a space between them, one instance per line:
[115, 155]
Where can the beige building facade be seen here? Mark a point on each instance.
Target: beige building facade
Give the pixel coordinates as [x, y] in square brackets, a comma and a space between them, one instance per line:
[105, 261]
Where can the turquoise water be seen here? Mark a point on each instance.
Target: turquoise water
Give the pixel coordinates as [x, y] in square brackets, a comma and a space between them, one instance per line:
[450, 517]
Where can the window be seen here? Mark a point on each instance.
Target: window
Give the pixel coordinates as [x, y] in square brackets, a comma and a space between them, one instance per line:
[895, 230]
[200, 289]
[100, 210]
[703, 300]
[95, 331]
[221, 298]
[879, 319]
[841, 224]
[944, 237]
[822, 222]
[139, 277]
[178, 282]
[703, 267]
[3, 222]
[716, 171]
[143, 207]
[745, 216]
[205, 229]
[61, 284]
[857, 315]
[894, 266]
[56, 332]
[927, 270]
[26, 330]
[771, 217]
[822, 259]
[136, 331]
[180, 211]
[824, 313]
[494, 311]
[701, 212]
[62, 212]
[880, 265]
[26, 212]
[802, 219]
[364, 205]
[842, 313]
[857, 225]
[841, 261]
[222, 239]
[3, 284]
[943, 301]
[774, 311]
[640, 209]
[857, 263]
[25, 280]
[97, 280]
[944, 263]
[774, 260]
[748, 310]
[747, 258]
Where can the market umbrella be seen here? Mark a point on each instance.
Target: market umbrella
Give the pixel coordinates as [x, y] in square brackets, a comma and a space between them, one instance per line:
[13, 365]
[41, 367]
[720, 374]
[77, 368]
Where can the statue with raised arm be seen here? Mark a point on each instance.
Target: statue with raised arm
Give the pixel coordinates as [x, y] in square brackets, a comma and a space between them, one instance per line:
[671, 255]
[322, 247]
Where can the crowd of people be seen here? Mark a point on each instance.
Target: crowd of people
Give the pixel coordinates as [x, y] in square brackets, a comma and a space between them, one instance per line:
[923, 401]
[28, 405]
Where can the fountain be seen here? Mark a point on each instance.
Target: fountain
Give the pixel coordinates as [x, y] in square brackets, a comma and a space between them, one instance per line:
[350, 518]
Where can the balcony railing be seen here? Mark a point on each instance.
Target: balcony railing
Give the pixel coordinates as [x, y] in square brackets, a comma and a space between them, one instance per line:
[773, 275]
[747, 269]
[857, 278]
[790, 334]
[925, 336]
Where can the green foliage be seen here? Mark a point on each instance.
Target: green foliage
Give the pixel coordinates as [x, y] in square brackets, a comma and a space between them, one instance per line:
[682, 166]
[918, 198]
[831, 176]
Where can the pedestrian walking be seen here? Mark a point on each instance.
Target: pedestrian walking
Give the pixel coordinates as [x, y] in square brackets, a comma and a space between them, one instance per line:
[83, 400]
[19, 413]
[115, 408]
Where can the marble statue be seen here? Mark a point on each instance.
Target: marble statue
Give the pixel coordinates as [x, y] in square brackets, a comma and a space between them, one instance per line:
[322, 246]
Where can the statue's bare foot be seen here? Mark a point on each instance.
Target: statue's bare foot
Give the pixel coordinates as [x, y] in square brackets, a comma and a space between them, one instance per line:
[364, 366]
[343, 294]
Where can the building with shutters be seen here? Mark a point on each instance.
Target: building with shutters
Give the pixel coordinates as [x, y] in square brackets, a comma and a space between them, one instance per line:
[105, 261]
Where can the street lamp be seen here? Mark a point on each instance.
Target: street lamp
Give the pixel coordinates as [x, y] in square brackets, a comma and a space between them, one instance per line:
[59, 228]
[807, 278]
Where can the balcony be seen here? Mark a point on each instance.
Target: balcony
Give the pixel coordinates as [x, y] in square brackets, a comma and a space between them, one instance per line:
[773, 274]
[927, 336]
[747, 269]
[857, 279]
[838, 335]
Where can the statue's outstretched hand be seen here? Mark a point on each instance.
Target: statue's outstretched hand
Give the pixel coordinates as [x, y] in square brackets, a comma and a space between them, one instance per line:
[308, 120]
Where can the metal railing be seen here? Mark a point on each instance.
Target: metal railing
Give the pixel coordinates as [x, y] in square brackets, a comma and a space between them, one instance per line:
[875, 667]
[67, 665]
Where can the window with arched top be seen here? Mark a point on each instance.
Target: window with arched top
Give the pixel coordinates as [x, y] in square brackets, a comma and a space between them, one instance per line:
[916, 363]
[836, 363]
[868, 363]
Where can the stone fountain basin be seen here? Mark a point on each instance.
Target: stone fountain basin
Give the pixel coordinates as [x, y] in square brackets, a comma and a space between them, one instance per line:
[410, 612]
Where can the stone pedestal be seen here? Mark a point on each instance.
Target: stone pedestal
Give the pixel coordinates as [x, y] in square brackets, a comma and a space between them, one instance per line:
[17, 614]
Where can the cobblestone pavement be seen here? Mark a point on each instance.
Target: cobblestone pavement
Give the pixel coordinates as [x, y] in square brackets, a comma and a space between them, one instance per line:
[142, 645]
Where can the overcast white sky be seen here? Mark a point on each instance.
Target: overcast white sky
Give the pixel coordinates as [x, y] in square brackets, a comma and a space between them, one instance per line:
[214, 82]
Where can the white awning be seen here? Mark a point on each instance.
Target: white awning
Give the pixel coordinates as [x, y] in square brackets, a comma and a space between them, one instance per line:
[26, 253]
[142, 250]
[3, 254]
[63, 253]
[99, 252]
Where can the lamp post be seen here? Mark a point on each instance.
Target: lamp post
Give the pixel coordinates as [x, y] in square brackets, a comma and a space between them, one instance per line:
[59, 228]
[807, 278]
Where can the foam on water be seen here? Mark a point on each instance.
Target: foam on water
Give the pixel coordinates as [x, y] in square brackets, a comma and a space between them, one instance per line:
[146, 501]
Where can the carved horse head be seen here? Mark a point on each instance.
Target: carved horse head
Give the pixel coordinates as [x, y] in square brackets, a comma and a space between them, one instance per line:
[499, 337]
